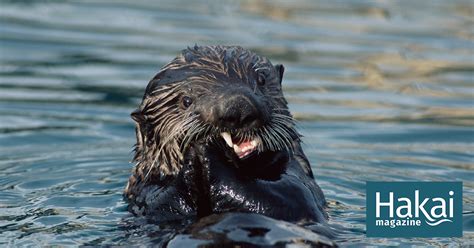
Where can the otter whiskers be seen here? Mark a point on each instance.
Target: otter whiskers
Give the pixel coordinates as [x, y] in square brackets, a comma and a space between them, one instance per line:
[277, 135]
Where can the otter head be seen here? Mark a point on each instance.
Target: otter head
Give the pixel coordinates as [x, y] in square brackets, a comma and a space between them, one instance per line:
[228, 97]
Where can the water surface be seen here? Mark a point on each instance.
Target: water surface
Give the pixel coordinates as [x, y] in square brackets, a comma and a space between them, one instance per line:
[382, 91]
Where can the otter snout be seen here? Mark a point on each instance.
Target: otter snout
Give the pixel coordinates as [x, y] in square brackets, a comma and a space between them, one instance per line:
[238, 108]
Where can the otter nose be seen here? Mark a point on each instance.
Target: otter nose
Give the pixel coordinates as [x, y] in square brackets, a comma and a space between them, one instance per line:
[239, 111]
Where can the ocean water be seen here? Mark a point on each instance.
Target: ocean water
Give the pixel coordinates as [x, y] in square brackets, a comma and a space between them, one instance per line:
[382, 90]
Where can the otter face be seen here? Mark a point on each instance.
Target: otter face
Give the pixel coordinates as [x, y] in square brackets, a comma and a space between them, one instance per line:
[228, 97]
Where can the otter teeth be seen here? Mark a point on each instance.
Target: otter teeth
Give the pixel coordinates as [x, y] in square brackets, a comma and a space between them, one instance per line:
[237, 149]
[227, 139]
[243, 149]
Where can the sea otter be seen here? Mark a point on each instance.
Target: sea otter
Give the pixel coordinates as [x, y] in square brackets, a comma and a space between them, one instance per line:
[214, 135]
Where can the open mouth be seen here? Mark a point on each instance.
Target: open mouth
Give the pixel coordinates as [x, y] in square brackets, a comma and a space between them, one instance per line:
[242, 148]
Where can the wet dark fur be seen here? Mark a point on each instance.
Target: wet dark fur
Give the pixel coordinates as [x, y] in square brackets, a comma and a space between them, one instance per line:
[183, 167]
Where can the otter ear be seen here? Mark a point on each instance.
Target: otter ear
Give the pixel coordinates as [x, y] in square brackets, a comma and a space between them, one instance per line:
[137, 116]
[280, 69]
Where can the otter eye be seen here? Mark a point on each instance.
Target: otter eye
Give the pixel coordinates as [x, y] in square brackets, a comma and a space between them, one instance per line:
[186, 101]
[261, 79]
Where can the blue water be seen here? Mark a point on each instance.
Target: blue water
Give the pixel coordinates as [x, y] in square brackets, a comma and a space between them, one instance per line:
[382, 91]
